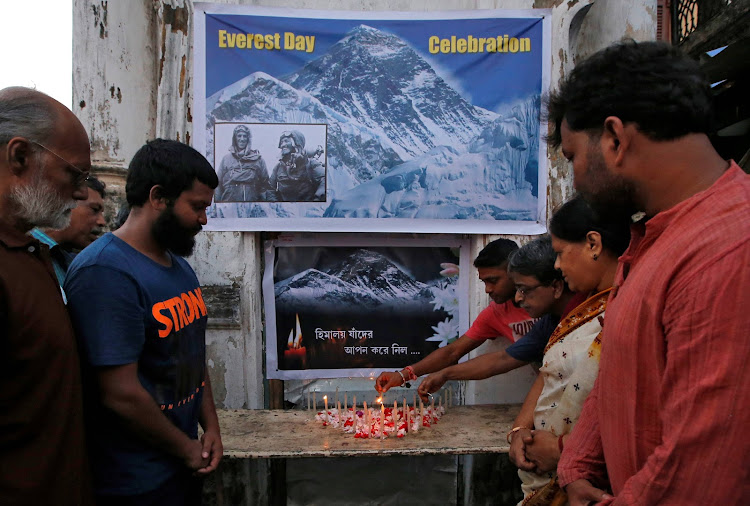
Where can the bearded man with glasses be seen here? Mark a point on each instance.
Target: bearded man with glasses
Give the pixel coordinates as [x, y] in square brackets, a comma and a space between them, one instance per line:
[44, 163]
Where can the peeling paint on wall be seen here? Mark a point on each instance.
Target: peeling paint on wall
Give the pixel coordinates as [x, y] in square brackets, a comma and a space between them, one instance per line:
[100, 19]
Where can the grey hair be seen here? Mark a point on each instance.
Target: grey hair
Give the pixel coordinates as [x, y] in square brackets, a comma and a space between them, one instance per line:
[25, 112]
[537, 259]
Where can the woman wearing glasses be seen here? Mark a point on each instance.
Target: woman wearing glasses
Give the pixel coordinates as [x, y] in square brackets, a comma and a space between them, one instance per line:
[587, 249]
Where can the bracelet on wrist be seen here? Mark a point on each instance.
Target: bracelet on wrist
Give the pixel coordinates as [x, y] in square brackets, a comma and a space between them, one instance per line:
[412, 375]
[513, 431]
[403, 378]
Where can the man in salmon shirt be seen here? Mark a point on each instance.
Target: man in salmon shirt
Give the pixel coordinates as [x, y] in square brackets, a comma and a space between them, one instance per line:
[666, 422]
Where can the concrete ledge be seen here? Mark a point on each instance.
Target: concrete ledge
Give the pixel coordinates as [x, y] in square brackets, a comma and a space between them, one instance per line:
[294, 434]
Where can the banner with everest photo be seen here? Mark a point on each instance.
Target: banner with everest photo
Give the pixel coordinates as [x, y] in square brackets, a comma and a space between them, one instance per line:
[373, 121]
[343, 307]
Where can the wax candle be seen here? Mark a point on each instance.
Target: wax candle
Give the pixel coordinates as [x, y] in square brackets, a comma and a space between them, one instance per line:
[395, 414]
[421, 413]
[382, 421]
[325, 401]
[405, 415]
[432, 409]
[367, 417]
[309, 402]
[346, 401]
[408, 419]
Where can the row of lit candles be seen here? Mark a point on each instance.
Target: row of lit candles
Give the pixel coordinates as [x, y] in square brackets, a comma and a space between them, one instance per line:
[406, 409]
[314, 405]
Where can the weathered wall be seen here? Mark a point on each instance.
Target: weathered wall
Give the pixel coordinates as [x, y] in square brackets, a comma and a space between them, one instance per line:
[132, 82]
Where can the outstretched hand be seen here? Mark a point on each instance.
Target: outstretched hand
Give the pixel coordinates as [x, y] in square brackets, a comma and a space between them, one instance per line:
[388, 380]
[431, 384]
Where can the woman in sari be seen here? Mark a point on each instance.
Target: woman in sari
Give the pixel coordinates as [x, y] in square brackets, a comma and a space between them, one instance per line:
[587, 248]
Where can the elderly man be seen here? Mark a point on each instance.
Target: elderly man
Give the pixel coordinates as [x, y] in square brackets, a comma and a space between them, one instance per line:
[86, 222]
[44, 163]
[140, 317]
[666, 422]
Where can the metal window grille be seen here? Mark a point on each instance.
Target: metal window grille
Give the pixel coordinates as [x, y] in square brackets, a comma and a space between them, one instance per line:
[688, 15]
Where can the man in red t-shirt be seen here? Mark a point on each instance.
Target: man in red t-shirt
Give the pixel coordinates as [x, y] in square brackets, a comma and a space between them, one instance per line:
[501, 318]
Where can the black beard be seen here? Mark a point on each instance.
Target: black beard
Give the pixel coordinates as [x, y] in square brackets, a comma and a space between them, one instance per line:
[611, 197]
[171, 235]
[613, 202]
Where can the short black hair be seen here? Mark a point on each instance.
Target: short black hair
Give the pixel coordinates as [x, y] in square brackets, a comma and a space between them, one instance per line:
[537, 259]
[576, 218]
[96, 185]
[495, 253]
[652, 84]
[172, 165]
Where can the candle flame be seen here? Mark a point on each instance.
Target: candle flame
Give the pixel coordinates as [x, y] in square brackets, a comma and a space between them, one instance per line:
[325, 397]
[379, 399]
[298, 339]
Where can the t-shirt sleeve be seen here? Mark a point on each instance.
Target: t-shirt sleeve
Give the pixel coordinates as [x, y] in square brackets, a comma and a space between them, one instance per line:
[530, 348]
[488, 326]
[107, 310]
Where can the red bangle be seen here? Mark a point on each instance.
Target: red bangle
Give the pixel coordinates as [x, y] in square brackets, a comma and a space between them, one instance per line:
[560, 443]
[410, 370]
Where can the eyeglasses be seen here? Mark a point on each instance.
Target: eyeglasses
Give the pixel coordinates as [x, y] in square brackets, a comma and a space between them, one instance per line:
[81, 176]
[525, 290]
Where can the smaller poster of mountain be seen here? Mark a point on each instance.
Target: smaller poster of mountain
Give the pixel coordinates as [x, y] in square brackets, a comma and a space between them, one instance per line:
[353, 308]
[432, 121]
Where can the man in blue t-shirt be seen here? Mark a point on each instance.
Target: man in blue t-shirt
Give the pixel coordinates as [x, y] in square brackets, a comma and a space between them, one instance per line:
[139, 314]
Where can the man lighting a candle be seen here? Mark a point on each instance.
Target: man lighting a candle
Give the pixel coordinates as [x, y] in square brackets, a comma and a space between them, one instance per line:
[501, 318]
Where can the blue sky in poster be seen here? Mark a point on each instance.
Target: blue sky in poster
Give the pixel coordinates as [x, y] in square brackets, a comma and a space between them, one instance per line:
[489, 79]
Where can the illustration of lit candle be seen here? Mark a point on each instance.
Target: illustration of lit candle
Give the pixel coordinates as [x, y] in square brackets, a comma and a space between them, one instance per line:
[325, 401]
[295, 355]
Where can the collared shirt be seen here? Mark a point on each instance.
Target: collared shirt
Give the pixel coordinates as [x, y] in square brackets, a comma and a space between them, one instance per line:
[667, 419]
[42, 448]
[60, 258]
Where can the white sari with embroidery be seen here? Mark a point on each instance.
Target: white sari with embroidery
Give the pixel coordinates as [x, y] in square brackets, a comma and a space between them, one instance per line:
[571, 363]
